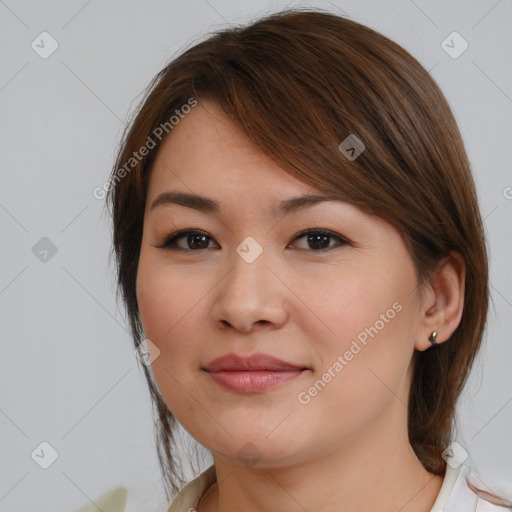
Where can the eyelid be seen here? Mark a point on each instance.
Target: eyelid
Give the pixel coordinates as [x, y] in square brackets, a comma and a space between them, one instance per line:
[173, 237]
[312, 231]
[322, 231]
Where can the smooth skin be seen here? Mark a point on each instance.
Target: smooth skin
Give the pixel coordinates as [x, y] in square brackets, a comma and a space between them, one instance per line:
[305, 300]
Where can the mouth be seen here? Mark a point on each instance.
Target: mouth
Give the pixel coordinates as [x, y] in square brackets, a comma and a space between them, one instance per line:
[253, 374]
[253, 381]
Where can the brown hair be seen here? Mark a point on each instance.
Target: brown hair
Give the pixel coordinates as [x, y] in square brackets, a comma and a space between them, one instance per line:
[299, 82]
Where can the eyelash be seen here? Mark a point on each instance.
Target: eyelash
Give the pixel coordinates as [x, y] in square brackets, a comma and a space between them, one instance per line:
[170, 241]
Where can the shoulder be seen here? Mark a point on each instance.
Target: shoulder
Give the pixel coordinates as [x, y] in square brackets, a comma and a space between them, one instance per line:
[489, 500]
[463, 490]
[189, 496]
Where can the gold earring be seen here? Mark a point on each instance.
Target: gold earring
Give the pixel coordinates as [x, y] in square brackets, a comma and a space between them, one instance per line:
[433, 337]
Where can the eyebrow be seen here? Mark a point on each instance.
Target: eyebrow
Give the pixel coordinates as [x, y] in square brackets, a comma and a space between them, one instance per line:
[208, 205]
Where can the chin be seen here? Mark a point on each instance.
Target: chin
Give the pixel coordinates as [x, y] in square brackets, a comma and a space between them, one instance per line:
[253, 451]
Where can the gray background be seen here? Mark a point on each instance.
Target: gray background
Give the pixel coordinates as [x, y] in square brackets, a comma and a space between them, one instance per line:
[68, 374]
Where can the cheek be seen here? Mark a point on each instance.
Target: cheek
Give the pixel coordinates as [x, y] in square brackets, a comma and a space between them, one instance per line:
[165, 298]
[350, 302]
[170, 306]
[363, 367]
[369, 321]
[169, 318]
[156, 306]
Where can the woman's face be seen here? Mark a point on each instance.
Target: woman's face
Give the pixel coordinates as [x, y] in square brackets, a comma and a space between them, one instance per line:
[342, 308]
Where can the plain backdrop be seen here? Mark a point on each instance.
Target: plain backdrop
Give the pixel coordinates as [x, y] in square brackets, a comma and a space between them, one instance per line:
[68, 374]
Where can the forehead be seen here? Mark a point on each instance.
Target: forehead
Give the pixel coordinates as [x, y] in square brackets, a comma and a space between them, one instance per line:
[206, 151]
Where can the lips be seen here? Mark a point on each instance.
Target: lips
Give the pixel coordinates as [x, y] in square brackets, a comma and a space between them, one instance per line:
[252, 374]
[255, 362]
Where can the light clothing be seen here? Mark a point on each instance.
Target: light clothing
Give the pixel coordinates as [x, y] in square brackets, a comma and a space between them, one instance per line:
[190, 495]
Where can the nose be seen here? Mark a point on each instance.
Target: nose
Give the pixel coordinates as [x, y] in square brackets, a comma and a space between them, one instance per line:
[250, 297]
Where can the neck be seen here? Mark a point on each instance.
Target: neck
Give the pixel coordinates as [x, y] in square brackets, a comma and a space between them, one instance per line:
[374, 472]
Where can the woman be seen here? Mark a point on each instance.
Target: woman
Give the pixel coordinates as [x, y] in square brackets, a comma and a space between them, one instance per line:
[302, 258]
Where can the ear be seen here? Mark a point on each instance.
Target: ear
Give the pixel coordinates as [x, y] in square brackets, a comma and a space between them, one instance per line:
[442, 301]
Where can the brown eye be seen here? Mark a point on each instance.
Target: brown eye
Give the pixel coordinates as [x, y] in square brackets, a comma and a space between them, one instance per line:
[193, 241]
[318, 240]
